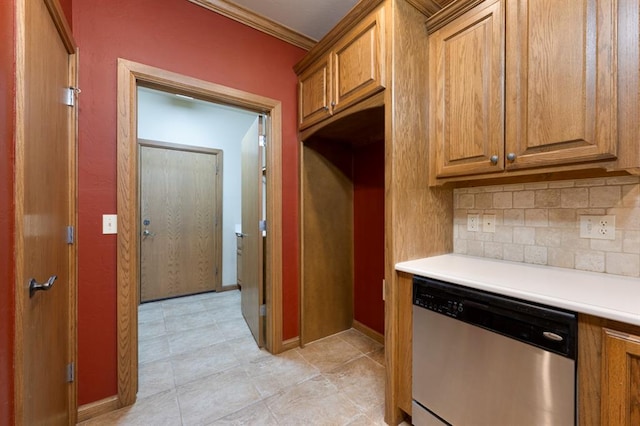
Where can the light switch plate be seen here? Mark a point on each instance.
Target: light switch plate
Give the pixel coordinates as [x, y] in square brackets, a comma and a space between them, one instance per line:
[109, 223]
[598, 227]
[488, 223]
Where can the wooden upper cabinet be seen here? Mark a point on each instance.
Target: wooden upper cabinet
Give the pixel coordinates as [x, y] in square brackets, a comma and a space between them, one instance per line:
[560, 82]
[352, 70]
[528, 85]
[358, 63]
[314, 91]
[466, 92]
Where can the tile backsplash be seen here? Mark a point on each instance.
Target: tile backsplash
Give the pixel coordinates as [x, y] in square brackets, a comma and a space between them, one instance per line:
[539, 223]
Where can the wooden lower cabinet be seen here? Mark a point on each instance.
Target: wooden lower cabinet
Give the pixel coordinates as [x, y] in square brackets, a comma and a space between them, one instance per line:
[608, 372]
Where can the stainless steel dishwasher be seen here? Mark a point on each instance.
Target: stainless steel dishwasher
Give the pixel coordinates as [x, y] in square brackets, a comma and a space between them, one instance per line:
[484, 359]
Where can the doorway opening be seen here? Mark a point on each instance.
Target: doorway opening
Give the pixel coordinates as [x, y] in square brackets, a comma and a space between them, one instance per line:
[131, 76]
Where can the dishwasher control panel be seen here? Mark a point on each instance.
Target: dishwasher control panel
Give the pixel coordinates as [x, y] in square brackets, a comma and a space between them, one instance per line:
[430, 299]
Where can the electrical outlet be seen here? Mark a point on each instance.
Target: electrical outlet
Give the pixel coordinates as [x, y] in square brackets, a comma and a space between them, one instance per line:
[598, 227]
[109, 224]
[489, 223]
[473, 222]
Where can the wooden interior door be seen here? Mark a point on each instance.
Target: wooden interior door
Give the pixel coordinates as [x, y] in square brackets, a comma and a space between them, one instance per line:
[252, 294]
[180, 214]
[45, 207]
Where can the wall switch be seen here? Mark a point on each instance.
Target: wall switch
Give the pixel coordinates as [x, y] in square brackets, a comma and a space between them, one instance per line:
[473, 222]
[598, 227]
[489, 223]
[109, 223]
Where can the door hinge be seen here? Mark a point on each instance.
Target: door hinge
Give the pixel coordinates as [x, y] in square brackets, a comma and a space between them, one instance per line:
[71, 372]
[263, 310]
[70, 235]
[262, 140]
[263, 225]
[70, 96]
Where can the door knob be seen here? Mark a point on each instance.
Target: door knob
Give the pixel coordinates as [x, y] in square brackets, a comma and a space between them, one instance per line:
[34, 286]
[147, 233]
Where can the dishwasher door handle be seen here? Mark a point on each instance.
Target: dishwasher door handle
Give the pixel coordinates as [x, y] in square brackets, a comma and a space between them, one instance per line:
[552, 336]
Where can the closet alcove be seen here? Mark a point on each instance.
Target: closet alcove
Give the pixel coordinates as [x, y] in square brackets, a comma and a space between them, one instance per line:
[342, 226]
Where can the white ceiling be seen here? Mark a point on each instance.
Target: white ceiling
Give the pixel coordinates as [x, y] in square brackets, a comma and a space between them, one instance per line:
[313, 18]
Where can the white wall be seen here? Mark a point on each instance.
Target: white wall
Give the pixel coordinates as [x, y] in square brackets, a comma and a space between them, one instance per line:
[168, 118]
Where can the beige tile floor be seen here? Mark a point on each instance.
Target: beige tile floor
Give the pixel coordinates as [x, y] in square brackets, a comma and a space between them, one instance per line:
[199, 365]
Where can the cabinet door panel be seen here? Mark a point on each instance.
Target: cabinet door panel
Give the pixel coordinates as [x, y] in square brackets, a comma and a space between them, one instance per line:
[358, 61]
[620, 378]
[561, 102]
[466, 86]
[314, 87]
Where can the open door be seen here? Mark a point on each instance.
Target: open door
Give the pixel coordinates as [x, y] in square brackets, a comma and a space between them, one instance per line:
[252, 294]
[45, 214]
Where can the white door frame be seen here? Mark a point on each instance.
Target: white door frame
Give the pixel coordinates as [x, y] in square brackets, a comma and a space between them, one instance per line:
[130, 75]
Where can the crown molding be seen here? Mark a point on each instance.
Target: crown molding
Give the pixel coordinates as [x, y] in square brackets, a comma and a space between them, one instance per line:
[259, 22]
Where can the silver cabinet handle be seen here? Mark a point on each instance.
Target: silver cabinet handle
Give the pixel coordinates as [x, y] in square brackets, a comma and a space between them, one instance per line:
[494, 159]
[34, 286]
[326, 107]
[511, 156]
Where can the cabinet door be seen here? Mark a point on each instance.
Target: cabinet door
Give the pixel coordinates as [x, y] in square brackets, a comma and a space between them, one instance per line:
[466, 88]
[560, 83]
[358, 60]
[314, 93]
[620, 404]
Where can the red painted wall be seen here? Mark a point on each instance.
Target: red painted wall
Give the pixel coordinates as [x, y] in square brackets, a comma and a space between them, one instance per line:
[181, 37]
[67, 8]
[368, 235]
[7, 153]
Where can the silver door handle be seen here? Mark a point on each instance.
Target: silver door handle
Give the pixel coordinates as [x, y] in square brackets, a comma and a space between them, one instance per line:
[147, 233]
[34, 286]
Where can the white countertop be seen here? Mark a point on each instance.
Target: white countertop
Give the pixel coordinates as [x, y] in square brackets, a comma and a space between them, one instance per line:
[608, 296]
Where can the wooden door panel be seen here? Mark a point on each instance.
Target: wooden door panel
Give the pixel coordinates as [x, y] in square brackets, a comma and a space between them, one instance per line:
[466, 78]
[327, 234]
[45, 207]
[620, 378]
[358, 63]
[179, 199]
[561, 102]
[314, 93]
[252, 294]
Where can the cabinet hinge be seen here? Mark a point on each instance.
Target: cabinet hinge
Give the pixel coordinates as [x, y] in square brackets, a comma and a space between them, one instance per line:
[70, 235]
[262, 140]
[263, 310]
[71, 372]
[263, 225]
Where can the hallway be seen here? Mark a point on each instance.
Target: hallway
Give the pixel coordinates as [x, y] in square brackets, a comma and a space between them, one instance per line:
[199, 365]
